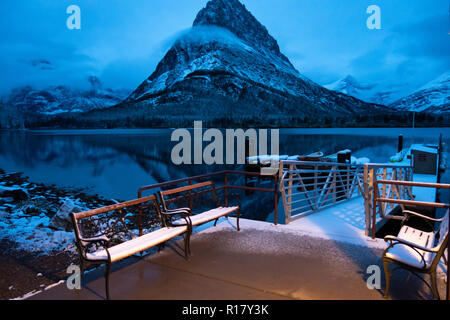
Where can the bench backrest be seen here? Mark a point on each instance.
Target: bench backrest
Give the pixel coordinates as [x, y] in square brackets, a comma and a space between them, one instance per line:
[443, 241]
[188, 193]
[110, 219]
[443, 228]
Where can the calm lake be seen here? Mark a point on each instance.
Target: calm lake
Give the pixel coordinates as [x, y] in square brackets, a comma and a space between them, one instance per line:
[115, 163]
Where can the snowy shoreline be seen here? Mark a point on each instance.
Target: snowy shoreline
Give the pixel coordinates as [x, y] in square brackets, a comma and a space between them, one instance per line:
[28, 213]
[36, 247]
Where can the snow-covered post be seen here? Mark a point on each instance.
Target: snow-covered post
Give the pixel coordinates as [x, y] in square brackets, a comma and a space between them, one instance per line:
[367, 199]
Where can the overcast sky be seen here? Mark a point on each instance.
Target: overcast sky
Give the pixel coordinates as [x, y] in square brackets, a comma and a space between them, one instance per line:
[122, 41]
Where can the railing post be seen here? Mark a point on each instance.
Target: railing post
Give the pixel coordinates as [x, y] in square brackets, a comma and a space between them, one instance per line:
[334, 168]
[316, 167]
[140, 214]
[374, 205]
[289, 200]
[275, 190]
[348, 183]
[366, 197]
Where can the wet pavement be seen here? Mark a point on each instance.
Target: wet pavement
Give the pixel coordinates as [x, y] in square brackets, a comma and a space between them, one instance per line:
[251, 264]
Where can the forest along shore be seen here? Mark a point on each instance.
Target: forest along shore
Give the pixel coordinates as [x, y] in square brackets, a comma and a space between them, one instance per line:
[36, 239]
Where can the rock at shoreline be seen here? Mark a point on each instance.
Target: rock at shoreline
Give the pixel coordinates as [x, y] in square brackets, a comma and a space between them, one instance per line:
[62, 220]
[13, 192]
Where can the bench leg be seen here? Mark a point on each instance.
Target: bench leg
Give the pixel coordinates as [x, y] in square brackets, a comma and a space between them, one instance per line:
[161, 246]
[388, 275]
[81, 269]
[107, 273]
[189, 244]
[187, 247]
[215, 222]
[434, 285]
[237, 220]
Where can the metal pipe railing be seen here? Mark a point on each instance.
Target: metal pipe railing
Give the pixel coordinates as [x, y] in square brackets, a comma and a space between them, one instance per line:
[321, 184]
[414, 184]
[226, 185]
[372, 172]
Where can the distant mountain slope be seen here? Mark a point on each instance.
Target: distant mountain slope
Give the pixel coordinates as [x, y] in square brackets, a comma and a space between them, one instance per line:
[349, 85]
[374, 93]
[433, 97]
[228, 65]
[63, 99]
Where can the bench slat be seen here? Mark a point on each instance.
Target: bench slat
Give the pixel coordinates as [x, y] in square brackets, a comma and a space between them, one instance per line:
[406, 254]
[136, 245]
[209, 215]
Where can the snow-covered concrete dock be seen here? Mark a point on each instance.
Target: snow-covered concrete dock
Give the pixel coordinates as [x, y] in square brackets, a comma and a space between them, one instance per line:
[342, 222]
[322, 252]
[262, 261]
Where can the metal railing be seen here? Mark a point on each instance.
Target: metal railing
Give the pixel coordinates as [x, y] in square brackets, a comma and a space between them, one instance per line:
[408, 184]
[374, 174]
[308, 186]
[225, 187]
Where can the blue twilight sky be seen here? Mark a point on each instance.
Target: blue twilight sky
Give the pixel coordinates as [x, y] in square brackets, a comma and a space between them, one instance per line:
[121, 41]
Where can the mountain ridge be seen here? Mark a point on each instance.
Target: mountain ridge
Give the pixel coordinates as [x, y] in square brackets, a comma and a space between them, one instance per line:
[228, 70]
[234, 16]
[371, 92]
[432, 97]
[59, 99]
[228, 54]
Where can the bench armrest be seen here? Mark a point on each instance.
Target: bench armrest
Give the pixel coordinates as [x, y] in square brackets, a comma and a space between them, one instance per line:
[409, 212]
[103, 240]
[393, 239]
[184, 214]
[187, 211]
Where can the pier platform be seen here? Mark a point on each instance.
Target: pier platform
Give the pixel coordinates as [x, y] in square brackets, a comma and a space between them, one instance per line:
[262, 261]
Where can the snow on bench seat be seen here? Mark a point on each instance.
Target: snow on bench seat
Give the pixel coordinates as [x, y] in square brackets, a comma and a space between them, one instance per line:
[213, 214]
[408, 255]
[139, 244]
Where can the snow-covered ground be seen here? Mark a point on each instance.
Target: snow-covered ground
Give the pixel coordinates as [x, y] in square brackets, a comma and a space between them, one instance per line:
[30, 214]
[33, 233]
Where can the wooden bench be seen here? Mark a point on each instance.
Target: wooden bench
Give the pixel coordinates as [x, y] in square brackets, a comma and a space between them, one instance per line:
[416, 250]
[188, 194]
[98, 247]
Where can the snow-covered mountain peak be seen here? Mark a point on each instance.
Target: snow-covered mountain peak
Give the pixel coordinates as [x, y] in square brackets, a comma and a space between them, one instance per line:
[229, 60]
[433, 97]
[380, 93]
[232, 15]
[349, 85]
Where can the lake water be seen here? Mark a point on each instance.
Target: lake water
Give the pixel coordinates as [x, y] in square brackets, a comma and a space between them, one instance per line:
[115, 163]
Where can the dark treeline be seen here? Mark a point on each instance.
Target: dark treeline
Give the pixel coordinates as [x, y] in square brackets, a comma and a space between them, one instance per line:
[380, 120]
[125, 116]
